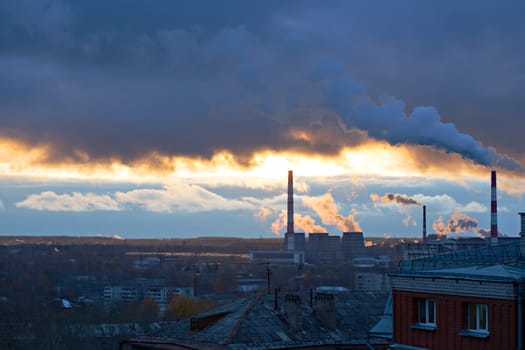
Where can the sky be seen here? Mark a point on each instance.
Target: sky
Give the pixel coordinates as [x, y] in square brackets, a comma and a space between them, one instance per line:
[178, 119]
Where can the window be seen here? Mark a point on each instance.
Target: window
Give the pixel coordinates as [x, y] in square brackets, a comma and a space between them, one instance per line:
[478, 317]
[426, 312]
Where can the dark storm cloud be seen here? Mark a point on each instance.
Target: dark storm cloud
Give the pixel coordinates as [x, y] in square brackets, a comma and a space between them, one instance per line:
[127, 78]
[464, 58]
[124, 92]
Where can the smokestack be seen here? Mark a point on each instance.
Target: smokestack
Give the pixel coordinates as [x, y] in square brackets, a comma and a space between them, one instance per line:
[522, 234]
[493, 210]
[522, 226]
[424, 224]
[290, 228]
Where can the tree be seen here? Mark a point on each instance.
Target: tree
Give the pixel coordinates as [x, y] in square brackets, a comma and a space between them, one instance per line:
[183, 307]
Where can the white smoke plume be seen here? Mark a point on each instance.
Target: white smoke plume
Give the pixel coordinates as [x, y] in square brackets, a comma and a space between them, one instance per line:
[326, 208]
[394, 198]
[457, 223]
[409, 221]
[263, 214]
[388, 121]
[483, 233]
[301, 223]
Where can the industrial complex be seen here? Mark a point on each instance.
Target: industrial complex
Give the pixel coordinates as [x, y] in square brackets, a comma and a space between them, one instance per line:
[445, 294]
[311, 290]
[318, 248]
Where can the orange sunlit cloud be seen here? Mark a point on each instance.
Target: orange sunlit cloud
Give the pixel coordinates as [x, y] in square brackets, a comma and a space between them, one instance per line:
[304, 223]
[372, 158]
[263, 214]
[326, 208]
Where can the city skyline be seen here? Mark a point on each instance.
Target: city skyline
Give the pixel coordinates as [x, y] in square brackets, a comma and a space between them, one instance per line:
[182, 119]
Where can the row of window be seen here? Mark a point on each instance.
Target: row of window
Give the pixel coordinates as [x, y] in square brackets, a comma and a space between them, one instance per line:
[476, 315]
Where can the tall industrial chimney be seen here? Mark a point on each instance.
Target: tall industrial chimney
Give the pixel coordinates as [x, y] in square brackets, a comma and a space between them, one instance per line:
[290, 228]
[424, 224]
[522, 234]
[522, 224]
[493, 210]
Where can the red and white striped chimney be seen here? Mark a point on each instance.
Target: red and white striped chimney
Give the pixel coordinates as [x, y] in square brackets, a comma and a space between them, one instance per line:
[493, 210]
[424, 224]
[290, 228]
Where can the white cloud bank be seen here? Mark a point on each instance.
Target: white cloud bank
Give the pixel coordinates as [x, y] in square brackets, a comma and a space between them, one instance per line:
[184, 198]
[75, 202]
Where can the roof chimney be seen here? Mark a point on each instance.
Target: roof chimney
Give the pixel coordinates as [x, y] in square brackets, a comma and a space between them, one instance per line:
[293, 311]
[522, 226]
[493, 210]
[324, 308]
[290, 228]
[424, 224]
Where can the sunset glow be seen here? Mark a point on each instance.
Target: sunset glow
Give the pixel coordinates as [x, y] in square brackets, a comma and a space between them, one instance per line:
[156, 124]
[377, 158]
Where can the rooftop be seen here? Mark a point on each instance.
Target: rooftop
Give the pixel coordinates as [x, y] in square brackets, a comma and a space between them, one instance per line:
[487, 255]
[383, 328]
[254, 323]
[489, 272]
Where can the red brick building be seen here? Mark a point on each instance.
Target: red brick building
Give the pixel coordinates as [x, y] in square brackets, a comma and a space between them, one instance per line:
[467, 300]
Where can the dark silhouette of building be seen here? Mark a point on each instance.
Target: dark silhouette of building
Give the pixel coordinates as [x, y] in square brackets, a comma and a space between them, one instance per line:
[323, 248]
[353, 245]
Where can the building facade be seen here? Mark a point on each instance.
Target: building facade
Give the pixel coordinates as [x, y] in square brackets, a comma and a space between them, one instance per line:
[372, 281]
[277, 256]
[117, 294]
[294, 241]
[353, 245]
[324, 249]
[473, 303]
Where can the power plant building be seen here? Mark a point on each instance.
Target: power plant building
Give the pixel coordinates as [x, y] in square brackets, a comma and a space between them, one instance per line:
[294, 241]
[319, 248]
[353, 245]
[323, 248]
[439, 244]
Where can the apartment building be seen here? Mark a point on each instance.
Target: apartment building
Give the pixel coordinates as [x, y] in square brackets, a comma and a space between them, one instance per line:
[471, 299]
